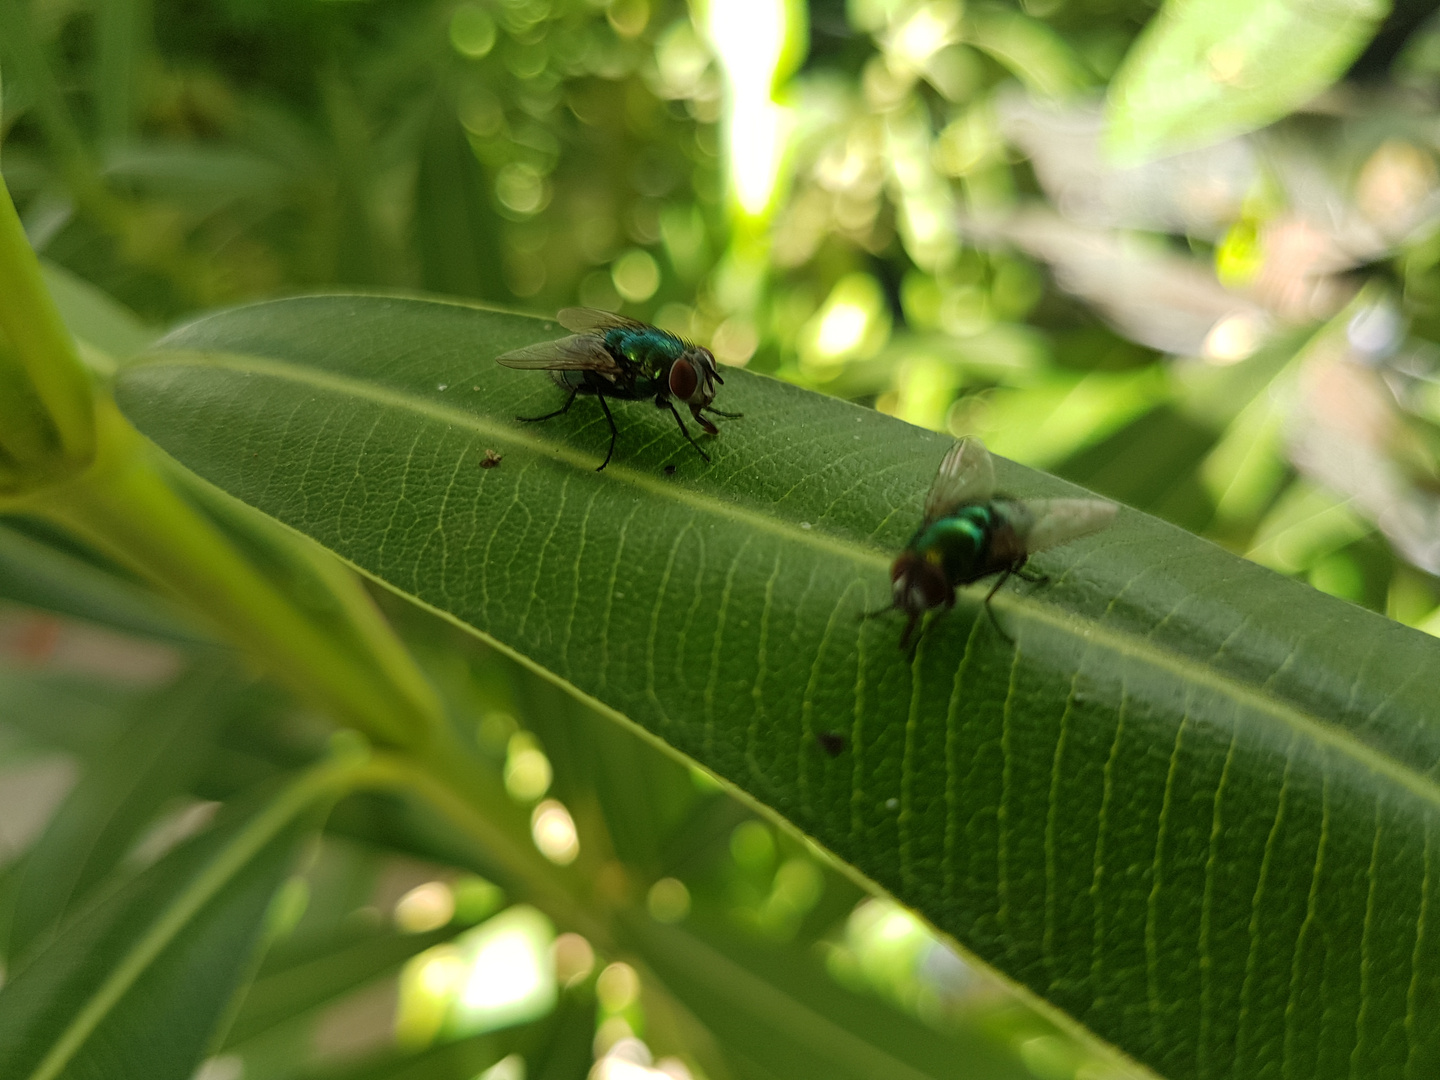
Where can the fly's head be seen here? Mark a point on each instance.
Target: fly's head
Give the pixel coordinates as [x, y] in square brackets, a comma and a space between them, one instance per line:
[917, 585]
[693, 378]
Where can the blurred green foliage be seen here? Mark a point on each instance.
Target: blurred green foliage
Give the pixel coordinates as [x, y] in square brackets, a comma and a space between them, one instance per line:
[1240, 337]
[940, 232]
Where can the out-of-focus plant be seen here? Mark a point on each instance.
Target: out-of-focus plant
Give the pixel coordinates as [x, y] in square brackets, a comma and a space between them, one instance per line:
[909, 203]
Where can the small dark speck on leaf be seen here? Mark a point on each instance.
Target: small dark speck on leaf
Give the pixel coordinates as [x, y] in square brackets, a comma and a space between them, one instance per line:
[669, 470]
[491, 459]
[832, 742]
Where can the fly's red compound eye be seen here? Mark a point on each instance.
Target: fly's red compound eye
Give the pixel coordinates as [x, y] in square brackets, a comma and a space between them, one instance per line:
[683, 379]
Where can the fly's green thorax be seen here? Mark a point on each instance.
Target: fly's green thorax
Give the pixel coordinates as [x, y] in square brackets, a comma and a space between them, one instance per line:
[651, 350]
[958, 541]
[973, 541]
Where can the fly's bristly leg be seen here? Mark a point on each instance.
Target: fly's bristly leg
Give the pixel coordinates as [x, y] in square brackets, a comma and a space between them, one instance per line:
[683, 429]
[1035, 577]
[614, 431]
[915, 617]
[1004, 577]
[551, 415]
[722, 412]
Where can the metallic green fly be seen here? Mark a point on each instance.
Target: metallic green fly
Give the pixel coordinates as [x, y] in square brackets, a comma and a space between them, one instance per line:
[611, 356]
[968, 532]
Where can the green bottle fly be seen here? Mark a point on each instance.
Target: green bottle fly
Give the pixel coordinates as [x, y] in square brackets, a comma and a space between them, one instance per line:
[610, 356]
[968, 533]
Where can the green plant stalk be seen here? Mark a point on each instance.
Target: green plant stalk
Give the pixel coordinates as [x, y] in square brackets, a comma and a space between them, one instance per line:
[42, 352]
[123, 505]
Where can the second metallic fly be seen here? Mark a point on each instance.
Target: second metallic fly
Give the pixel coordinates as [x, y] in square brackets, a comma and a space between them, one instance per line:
[968, 532]
[610, 356]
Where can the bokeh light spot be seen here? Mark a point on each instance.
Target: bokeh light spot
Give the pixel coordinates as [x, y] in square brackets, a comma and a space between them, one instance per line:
[636, 276]
[752, 847]
[574, 959]
[735, 341]
[617, 988]
[425, 907]
[842, 328]
[629, 17]
[475, 898]
[597, 290]
[521, 189]
[472, 31]
[1233, 338]
[553, 830]
[510, 1067]
[668, 900]
[527, 769]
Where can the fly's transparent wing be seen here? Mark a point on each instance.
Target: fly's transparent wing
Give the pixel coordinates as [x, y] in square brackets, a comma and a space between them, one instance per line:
[581, 320]
[1058, 521]
[579, 352]
[967, 475]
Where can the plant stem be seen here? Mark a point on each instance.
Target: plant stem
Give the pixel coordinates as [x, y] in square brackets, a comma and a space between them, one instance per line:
[42, 357]
[124, 506]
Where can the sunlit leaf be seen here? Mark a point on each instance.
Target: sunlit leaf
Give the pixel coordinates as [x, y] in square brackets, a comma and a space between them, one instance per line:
[1206, 69]
[1174, 793]
[294, 984]
[781, 1011]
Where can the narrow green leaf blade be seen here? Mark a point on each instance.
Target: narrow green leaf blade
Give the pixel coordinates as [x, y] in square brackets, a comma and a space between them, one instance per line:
[1182, 795]
[40, 575]
[135, 985]
[777, 1010]
[122, 790]
[60, 711]
[285, 990]
[1206, 69]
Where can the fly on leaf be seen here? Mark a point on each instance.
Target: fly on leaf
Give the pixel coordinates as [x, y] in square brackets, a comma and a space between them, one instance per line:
[610, 356]
[968, 532]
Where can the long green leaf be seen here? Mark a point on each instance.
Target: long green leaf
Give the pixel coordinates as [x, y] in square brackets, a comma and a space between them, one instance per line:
[283, 991]
[1192, 804]
[60, 711]
[123, 788]
[1206, 69]
[776, 1010]
[42, 575]
[135, 985]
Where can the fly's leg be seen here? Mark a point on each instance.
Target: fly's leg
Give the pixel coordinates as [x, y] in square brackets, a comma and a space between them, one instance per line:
[613, 432]
[1004, 576]
[683, 429]
[721, 412]
[910, 629]
[1035, 577]
[551, 415]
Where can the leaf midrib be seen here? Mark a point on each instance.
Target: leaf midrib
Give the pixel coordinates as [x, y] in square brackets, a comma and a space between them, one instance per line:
[1094, 634]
